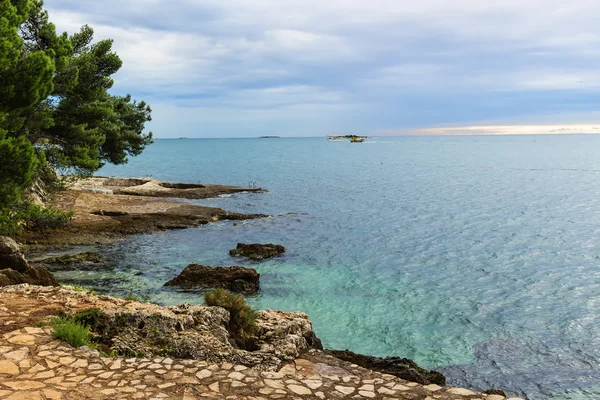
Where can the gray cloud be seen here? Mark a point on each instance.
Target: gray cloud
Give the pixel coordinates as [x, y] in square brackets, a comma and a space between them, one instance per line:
[366, 57]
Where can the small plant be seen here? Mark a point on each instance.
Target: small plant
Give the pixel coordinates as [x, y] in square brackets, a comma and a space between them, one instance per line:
[78, 288]
[131, 297]
[43, 323]
[109, 354]
[70, 331]
[242, 323]
[88, 318]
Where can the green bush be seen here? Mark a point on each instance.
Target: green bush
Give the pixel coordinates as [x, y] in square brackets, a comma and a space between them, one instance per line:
[89, 318]
[70, 331]
[31, 217]
[242, 323]
[39, 218]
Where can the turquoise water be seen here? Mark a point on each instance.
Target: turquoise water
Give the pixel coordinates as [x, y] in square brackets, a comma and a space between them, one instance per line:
[477, 256]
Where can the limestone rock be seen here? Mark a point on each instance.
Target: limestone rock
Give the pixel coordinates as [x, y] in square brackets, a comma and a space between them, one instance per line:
[199, 332]
[11, 256]
[34, 276]
[15, 270]
[8, 246]
[257, 251]
[401, 367]
[235, 279]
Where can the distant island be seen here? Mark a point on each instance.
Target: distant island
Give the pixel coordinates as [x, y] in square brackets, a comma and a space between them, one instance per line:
[340, 138]
[269, 137]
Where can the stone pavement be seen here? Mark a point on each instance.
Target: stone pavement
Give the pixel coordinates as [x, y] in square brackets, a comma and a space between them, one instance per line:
[34, 366]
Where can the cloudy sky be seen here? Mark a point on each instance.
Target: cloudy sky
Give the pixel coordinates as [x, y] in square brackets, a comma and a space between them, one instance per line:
[233, 68]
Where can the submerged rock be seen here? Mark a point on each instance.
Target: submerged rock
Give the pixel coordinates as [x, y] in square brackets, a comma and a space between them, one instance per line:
[401, 367]
[80, 258]
[15, 270]
[257, 251]
[235, 279]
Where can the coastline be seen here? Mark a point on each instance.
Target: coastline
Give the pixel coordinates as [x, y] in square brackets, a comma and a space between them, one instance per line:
[102, 217]
[107, 209]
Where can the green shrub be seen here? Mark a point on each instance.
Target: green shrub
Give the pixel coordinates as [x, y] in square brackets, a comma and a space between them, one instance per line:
[21, 217]
[242, 323]
[88, 318]
[70, 331]
[39, 218]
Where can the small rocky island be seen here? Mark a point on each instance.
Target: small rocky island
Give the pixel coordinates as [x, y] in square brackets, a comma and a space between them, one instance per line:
[257, 251]
[235, 279]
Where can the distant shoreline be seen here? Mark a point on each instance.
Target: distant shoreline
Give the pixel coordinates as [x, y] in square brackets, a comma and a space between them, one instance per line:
[409, 134]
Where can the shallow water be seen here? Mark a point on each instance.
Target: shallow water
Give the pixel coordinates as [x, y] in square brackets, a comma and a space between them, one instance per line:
[476, 256]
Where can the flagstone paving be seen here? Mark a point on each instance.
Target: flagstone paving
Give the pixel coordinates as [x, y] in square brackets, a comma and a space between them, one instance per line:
[34, 366]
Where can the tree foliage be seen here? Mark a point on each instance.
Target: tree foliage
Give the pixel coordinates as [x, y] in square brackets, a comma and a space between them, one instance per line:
[55, 107]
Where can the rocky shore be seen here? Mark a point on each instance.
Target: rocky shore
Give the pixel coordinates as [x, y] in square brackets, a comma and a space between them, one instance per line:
[33, 365]
[182, 352]
[107, 209]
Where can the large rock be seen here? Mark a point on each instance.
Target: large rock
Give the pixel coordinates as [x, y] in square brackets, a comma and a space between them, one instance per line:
[257, 251]
[15, 270]
[8, 246]
[11, 256]
[38, 276]
[235, 279]
[403, 368]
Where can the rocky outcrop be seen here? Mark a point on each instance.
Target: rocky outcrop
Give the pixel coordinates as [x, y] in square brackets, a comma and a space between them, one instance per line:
[15, 270]
[235, 279]
[155, 188]
[257, 251]
[401, 367]
[79, 258]
[192, 332]
[11, 256]
[32, 276]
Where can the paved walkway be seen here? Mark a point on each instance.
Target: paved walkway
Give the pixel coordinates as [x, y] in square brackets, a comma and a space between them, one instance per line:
[33, 366]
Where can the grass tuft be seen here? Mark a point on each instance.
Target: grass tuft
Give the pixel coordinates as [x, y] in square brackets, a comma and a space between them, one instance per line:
[70, 331]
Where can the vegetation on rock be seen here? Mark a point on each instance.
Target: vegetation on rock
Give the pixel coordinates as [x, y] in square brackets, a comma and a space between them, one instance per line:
[242, 318]
[87, 257]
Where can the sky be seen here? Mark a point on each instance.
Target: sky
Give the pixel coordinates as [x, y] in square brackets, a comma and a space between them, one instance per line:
[237, 68]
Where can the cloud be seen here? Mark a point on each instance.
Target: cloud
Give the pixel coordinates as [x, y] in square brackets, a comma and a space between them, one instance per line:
[388, 64]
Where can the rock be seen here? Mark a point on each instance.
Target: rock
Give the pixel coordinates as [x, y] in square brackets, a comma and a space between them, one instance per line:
[81, 261]
[87, 257]
[8, 246]
[401, 367]
[11, 256]
[234, 279]
[38, 276]
[14, 261]
[495, 391]
[257, 251]
[15, 270]
[195, 332]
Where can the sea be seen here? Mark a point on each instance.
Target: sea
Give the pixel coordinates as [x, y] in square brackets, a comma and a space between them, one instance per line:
[478, 256]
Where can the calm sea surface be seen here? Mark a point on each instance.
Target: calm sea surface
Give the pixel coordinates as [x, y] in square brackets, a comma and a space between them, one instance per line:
[477, 256]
